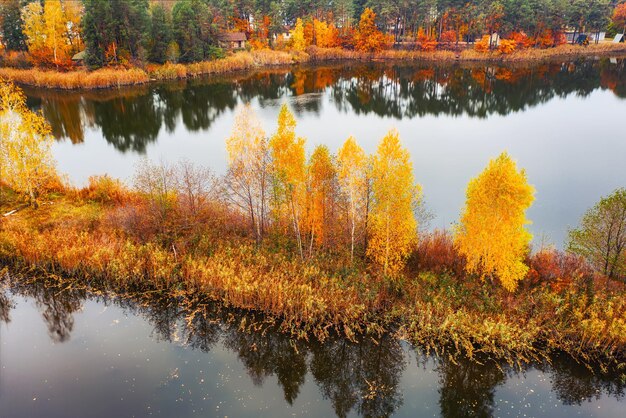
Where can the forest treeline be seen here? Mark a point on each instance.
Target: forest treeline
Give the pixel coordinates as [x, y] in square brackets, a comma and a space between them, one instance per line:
[135, 32]
[323, 241]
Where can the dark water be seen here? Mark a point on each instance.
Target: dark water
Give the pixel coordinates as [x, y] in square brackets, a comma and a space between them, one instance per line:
[66, 353]
[563, 122]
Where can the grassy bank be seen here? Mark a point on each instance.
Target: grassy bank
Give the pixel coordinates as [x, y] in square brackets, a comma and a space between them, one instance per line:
[245, 61]
[103, 234]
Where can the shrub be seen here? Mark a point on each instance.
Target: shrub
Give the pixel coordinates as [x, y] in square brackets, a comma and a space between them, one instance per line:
[483, 44]
[104, 189]
[507, 46]
[448, 37]
[425, 42]
[436, 253]
[558, 270]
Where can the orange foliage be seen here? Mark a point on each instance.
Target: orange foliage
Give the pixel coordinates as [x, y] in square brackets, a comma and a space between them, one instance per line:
[436, 253]
[308, 33]
[448, 37]
[425, 42]
[549, 39]
[557, 269]
[521, 39]
[369, 38]
[507, 46]
[619, 16]
[483, 44]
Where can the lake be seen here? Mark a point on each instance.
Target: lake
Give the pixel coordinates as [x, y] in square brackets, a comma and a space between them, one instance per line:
[562, 122]
[66, 352]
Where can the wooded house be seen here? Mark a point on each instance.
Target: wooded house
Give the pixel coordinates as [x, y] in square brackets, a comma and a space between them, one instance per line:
[232, 40]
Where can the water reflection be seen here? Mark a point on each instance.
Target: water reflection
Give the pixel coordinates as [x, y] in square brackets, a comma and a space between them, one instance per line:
[365, 378]
[131, 119]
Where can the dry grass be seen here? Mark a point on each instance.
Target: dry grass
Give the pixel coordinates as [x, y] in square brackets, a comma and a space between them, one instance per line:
[536, 54]
[335, 54]
[106, 77]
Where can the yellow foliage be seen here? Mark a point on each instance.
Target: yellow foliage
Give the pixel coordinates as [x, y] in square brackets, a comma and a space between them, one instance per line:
[326, 35]
[288, 168]
[393, 227]
[492, 234]
[26, 162]
[483, 44]
[369, 38]
[298, 42]
[322, 174]
[51, 29]
[352, 164]
[507, 46]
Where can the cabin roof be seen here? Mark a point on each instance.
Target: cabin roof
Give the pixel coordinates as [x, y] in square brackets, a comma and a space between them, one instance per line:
[232, 36]
[78, 57]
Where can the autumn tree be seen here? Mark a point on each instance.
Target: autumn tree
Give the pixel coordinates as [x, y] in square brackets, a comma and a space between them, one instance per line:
[491, 234]
[352, 166]
[619, 17]
[601, 236]
[326, 36]
[298, 42]
[26, 163]
[50, 30]
[395, 195]
[289, 173]
[369, 38]
[248, 177]
[321, 191]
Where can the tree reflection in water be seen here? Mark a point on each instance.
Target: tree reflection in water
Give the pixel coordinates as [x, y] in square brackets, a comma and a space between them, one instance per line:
[362, 378]
[130, 119]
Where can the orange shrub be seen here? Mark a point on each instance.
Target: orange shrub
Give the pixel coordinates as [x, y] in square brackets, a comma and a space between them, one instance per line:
[507, 46]
[521, 40]
[448, 37]
[557, 269]
[425, 42]
[483, 44]
[436, 253]
[104, 189]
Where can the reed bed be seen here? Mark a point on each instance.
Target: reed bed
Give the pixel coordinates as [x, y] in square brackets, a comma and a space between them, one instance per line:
[103, 78]
[81, 235]
[537, 54]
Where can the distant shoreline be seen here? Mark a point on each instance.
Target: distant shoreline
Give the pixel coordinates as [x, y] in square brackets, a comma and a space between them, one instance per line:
[243, 61]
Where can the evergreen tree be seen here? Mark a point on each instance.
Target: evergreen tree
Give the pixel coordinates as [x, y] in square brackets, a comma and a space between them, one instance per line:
[160, 35]
[12, 25]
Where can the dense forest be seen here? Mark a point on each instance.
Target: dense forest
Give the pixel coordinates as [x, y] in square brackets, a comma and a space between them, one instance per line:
[133, 32]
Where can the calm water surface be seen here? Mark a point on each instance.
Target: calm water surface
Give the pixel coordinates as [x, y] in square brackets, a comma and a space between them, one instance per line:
[66, 353]
[563, 122]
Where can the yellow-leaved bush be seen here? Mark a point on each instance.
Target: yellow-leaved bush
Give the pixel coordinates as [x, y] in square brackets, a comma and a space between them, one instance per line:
[492, 233]
[26, 162]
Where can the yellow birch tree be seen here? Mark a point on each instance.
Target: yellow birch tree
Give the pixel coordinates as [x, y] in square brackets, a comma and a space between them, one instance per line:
[49, 30]
[321, 195]
[298, 42]
[248, 177]
[26, 163]
[492, 235]
[393, 226]
[352, 165]
[289, 173]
